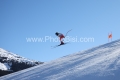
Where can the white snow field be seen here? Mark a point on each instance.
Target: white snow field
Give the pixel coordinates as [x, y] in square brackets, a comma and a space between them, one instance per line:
[98, 63]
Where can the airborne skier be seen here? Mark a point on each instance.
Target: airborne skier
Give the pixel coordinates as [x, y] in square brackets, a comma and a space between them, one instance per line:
[61, 36]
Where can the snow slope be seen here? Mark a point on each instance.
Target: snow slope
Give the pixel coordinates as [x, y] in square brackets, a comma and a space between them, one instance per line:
[98, 63]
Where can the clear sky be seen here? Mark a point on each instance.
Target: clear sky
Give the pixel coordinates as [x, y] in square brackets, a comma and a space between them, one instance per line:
[21, 19]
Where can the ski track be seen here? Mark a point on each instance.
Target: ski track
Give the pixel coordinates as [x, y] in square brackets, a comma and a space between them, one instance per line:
[102, 62]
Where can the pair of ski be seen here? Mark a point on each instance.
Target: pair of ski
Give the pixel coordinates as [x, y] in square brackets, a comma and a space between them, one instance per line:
[58, 45]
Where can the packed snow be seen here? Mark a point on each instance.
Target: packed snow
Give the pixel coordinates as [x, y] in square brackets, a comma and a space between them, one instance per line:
[98, 63]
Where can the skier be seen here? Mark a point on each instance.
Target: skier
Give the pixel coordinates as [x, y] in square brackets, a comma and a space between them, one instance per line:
[61, 36]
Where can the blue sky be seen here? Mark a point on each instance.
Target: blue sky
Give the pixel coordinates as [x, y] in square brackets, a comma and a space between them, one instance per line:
[21, 19]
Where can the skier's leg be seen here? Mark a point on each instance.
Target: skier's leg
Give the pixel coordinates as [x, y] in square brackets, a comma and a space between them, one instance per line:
[61, 39]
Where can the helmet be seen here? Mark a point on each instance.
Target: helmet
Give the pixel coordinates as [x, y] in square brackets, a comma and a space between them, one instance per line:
[56, 33]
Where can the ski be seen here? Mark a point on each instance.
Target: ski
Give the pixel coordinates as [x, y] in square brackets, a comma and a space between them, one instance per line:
[58, 45]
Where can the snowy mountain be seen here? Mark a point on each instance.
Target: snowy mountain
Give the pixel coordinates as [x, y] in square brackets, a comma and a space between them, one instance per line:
[98, 63]
[10, 62]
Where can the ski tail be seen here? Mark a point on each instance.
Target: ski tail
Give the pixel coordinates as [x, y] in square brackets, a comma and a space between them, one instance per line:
[68, 32]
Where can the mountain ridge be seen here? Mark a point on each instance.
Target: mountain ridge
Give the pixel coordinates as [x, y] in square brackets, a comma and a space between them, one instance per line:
[10, 62]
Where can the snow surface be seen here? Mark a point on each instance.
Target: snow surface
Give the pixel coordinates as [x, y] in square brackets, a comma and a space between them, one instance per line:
[98, 63]
[4, 66]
